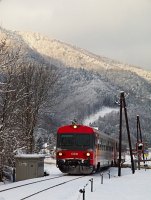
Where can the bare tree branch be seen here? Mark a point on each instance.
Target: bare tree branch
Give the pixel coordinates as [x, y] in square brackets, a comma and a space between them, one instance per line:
[24, 88]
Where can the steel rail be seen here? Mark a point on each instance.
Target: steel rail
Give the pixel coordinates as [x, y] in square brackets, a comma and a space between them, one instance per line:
[50, 188]
[30, 183]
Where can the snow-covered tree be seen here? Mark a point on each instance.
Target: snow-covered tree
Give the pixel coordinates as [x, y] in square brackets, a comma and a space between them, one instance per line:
[24, 87]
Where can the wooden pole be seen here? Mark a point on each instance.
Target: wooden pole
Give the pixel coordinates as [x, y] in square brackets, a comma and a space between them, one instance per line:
[128, 132]
[141, 140]
[137, 129]
[120, 137]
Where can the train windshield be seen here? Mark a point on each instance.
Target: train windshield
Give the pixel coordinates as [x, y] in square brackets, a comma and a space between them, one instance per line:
[67, 140]
[76, 141]
[82, 140]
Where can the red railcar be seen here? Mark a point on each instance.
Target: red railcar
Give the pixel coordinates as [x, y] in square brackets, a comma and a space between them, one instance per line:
[82, 149]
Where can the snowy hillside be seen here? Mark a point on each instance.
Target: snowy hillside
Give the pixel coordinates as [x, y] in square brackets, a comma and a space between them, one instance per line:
[76, 57]
[86, 83]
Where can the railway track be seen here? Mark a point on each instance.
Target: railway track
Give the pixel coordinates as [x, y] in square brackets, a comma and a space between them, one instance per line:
[36, 187]
[50, 188]
[22, 185]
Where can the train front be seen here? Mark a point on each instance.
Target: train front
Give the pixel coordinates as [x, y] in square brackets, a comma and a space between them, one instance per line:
[75, 149]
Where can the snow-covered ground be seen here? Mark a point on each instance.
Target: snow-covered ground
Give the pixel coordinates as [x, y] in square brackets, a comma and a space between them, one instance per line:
[127, 187]
[101, 113]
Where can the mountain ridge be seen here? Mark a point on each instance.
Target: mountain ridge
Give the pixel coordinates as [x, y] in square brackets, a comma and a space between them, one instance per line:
[96, 60]
[60, 50]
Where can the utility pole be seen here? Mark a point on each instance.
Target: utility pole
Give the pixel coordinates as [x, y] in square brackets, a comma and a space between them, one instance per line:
[123, 105]
[139, 129]
[139, 140]
[138, 156]
[120, 137]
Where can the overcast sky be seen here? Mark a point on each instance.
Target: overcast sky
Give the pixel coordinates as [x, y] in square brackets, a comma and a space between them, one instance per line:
[118, 29]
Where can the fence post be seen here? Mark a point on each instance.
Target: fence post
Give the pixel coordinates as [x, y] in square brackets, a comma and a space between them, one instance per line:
[82, 191]
[109, 174]
[101, 178]
[91, 184]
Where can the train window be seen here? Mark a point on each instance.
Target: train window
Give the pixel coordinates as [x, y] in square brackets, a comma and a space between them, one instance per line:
[67, 140]
[83, 140]
[77, 141]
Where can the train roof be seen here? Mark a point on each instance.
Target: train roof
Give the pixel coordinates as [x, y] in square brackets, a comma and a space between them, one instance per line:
[79, 128]
[104, 135]
[75, 128]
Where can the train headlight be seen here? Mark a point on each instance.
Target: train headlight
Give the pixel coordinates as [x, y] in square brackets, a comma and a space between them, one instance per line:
[88, 154]
[74, 126]
[60, 153]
